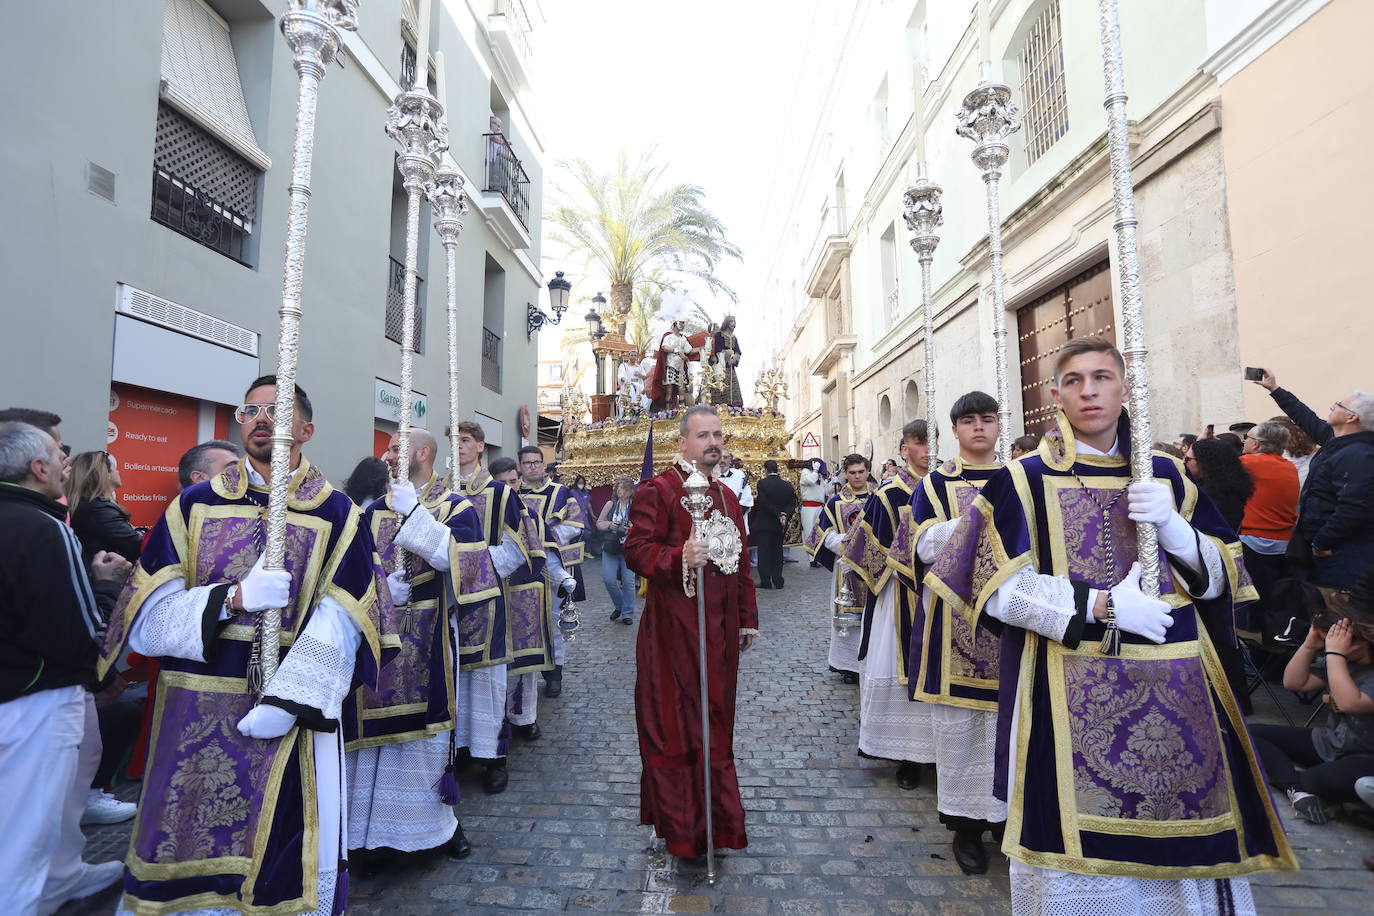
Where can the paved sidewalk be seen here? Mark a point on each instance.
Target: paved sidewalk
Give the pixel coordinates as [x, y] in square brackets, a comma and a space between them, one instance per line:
[829, 832]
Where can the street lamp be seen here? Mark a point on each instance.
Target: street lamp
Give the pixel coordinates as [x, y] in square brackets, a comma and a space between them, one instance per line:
[595, 329]
[535, 318]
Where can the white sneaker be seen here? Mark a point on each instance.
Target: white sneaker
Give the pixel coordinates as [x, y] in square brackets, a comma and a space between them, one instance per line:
[94, 879]
[104, 808]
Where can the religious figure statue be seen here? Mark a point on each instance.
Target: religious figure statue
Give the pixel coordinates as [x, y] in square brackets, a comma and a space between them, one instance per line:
[630, 385]
[669, 387]
[725, 355]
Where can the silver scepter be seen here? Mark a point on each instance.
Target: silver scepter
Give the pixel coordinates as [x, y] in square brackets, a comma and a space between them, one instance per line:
[1128, 267]
[312, 29]
[697, 501]
[447, 202]
[987, 117]
[414, 120]
[923, 214]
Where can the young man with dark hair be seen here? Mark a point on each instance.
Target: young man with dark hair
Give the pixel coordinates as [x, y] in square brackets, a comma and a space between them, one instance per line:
[1128, 769]
[660, 547]
[889, 726]
[400, 761]
[484, 640]
[193, 604]
[838, 515]
[952, 664]
[565, 525]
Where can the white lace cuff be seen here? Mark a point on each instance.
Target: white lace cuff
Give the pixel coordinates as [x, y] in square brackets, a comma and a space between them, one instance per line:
[172, 623]
[933, 542]
[318, 670]
[426, 537]
[748, 631]
[507, 556]
[1039, 603]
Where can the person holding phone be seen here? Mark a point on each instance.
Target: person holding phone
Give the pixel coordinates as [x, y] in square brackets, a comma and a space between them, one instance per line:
[1333, 542]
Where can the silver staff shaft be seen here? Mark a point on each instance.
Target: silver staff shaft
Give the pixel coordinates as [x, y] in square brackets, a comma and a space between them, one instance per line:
[987, 117]
[924, 216]
[705, 718]
[311, 28]
[1128, 269]
[448, 205]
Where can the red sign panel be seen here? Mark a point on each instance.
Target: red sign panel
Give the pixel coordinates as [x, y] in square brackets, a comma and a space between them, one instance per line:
[148, 433]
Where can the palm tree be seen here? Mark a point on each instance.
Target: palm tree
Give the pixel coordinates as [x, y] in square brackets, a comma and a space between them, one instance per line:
[622, 224]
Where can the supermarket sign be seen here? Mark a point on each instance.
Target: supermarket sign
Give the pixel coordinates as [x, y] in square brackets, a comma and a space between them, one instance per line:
[386, 404]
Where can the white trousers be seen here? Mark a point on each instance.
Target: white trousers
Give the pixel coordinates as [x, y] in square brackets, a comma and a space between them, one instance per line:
[49, 752]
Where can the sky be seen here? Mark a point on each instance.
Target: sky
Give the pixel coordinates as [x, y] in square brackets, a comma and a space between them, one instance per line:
[710, 83]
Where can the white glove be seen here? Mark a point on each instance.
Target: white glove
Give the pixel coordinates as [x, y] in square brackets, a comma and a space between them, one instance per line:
[403, 498]
[400, 588]
[266, 722]
[568, 586]
[1137, 613]
[264, 588]
[1150, 501]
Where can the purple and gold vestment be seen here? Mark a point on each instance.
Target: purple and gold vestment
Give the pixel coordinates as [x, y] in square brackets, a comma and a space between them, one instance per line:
[865, 552]
[557, 507]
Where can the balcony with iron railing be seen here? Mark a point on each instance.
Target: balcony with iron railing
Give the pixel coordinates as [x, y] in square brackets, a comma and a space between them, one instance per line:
[395, 302]
[508, 27]
[491, 360]
[506, 176]
[187, 210]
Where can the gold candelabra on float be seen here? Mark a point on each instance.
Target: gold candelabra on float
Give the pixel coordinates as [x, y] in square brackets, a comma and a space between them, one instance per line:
[574, 404]
[770, 386]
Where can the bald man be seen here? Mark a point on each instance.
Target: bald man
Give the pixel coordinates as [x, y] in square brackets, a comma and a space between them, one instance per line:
[400, 752]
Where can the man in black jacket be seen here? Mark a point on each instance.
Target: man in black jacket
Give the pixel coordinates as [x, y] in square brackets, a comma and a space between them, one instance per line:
[50, 626]
[773, 507]
[1334, 537]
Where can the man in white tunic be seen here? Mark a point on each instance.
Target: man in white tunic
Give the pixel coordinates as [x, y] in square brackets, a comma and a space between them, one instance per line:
[241, 809]
[841, 512]
[813, 484]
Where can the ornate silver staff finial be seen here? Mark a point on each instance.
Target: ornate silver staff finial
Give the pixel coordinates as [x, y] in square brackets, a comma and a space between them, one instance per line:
[312, 29]
[1128, 268]
[923, 214]
[449, 206]
[988, 116]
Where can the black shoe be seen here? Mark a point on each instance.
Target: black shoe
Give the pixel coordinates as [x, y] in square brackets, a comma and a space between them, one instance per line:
[777, 583]
[529, 732]
[763, 585]
[615, 615]
[369, 863]
[908, 775]
[693, 862]
[969, 852]
[553, 682]
[849, 677]
[496, 779]
[815, 565]
[628, 621]
[458, 846]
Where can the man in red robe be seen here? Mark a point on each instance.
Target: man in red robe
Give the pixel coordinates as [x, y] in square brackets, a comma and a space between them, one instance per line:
[660, 548]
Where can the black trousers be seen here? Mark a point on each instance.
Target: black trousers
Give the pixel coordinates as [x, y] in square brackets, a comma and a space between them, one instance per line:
[1284, 748]
[119, 725]
[769, 544]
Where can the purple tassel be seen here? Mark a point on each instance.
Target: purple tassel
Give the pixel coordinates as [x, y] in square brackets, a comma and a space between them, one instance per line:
[340, 893]
[448, 786]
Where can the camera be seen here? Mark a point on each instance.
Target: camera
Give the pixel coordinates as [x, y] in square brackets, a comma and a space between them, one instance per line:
[1252, 374]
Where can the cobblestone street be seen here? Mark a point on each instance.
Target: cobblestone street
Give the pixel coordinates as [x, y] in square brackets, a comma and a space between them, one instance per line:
[829, 832]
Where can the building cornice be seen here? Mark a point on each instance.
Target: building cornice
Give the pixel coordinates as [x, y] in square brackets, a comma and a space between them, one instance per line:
[1264, 31]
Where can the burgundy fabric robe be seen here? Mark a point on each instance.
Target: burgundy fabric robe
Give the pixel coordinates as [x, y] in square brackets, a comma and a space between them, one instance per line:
[667, 690]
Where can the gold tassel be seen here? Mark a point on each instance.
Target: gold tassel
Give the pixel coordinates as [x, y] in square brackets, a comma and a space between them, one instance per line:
[1111, 640]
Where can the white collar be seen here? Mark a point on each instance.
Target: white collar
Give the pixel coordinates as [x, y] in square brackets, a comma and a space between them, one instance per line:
[1086, 449]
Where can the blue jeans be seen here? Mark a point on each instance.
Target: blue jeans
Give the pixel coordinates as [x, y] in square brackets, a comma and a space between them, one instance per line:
[620, 583]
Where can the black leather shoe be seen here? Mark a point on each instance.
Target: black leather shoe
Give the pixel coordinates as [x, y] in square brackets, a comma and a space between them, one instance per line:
[627, 621]
[777, 583]
[458, 846]
[763, 585]
[693, 862]
[969, 852]
[850, 677]
[615, 615]
[496, 779]
[553, 682]
[815, 565]
[529, 732]
[369, 863]
[908, 775]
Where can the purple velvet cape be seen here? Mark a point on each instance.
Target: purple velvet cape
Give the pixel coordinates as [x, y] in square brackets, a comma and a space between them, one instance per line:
[951, 662]
[865, 551]
[225, 820]
[1139, 765]
[531, 601]
[484, 630]
[555, 504]
[414, 698]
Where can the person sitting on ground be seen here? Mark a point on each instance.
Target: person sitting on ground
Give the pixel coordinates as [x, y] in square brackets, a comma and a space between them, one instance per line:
[1221, 476]
[1336, 755]
[100, 523]
[1024, 445]
[368, 482]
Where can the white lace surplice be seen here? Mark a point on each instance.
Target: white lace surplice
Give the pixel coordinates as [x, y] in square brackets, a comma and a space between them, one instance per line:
[393, 796]
[890, 725]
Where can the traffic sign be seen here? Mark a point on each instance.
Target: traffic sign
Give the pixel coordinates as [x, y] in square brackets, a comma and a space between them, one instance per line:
[811, 441]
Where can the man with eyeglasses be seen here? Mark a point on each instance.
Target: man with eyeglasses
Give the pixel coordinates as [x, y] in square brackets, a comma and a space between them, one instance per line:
[243, 787]
[564, 524]
[1334, 538]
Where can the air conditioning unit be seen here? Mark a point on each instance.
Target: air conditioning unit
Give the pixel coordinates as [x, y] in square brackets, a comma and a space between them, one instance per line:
[165, 313]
